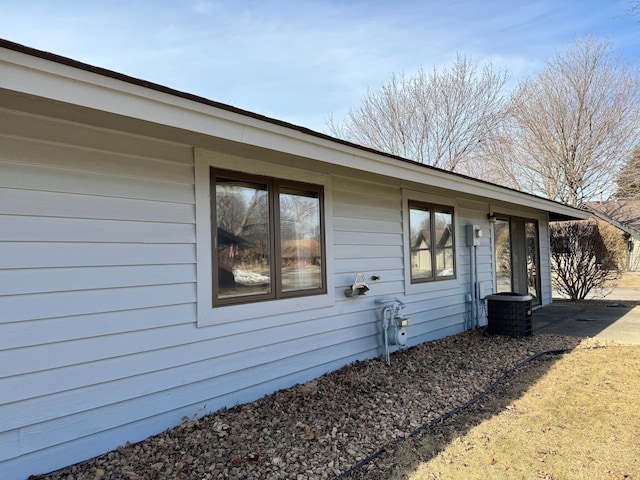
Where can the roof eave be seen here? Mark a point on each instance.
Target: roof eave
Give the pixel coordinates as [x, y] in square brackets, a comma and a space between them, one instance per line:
[98, 88]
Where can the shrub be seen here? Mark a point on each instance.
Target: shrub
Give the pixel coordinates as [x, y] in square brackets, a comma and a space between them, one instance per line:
[583, 260]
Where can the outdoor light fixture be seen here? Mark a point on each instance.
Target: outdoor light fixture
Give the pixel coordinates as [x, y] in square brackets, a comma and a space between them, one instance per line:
[359, 287]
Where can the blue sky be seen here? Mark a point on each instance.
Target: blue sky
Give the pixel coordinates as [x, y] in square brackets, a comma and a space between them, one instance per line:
[300, 61]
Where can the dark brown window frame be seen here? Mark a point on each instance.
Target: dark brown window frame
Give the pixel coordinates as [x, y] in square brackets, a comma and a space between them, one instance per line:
[433, 209]
[274, 186]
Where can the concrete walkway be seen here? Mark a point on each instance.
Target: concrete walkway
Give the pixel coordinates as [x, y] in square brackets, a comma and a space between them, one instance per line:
[616, 318]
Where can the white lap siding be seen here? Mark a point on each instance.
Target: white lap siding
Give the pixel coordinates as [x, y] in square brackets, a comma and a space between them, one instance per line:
[99, 335]
[545, 262]
[97, 272]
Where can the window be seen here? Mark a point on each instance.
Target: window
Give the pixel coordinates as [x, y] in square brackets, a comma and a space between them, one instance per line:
[268, 238]
[432, 242]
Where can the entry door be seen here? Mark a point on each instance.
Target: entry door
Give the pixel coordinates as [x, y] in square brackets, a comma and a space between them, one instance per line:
[517, 256]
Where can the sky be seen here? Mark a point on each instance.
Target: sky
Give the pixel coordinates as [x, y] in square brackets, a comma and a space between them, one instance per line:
[302, 61]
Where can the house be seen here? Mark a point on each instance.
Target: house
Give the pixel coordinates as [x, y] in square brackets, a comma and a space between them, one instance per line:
[625, 215]
[163, 255]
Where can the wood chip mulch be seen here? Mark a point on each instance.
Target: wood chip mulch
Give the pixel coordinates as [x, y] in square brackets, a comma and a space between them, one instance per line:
[321, 429]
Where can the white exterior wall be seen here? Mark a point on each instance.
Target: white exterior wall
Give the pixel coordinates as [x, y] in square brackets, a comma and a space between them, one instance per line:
[634, 255]
[101, 340]
[97, 273]
[545, 262]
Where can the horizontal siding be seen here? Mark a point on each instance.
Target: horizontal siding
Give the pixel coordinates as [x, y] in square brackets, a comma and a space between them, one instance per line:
[20, 308]
[80, 230]
[86, 447]
[358, 238]
[66, 181]
[43, 255]
[188, 347]
[63, 205]
[71, 157]
[46, 280]
[61, 354]
[54, 330]
[155, 386]
[98, 335]
[367, 252]
[345, 265]
[634, 256]
[366, 226]
[97, 270]
[545, 263]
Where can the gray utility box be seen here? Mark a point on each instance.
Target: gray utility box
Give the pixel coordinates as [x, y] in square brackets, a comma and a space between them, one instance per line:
[509, 313]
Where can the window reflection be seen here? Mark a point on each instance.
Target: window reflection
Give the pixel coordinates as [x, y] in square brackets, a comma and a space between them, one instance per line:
[300, 240]
[242, 213]
[420, 238]
[444, 244]
[532, 259]
[431, 237]
[270, 238]
[503, 255]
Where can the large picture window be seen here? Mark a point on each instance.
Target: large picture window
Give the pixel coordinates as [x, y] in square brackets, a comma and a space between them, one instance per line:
[269, 238]
[432, 243]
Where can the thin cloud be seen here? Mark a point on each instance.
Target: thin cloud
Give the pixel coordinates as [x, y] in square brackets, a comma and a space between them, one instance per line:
[301, 61]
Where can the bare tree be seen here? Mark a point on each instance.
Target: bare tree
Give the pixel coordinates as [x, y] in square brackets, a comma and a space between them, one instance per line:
[438, 118]
[581, 259]
[572, 125]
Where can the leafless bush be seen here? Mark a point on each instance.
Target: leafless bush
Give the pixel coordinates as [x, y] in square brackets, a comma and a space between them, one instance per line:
[582, 260]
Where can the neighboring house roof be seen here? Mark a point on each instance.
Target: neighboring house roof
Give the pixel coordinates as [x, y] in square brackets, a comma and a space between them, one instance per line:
[444, 235]
[424, 237]
[623, 213]
[227, 238]
[74, 83]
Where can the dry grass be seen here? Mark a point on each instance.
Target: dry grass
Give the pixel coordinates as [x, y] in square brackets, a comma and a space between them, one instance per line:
[629, 280]
[569, 418]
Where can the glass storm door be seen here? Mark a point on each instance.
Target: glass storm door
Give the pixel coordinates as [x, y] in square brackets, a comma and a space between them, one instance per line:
[533, 277]
[502, 236]
[517, 256]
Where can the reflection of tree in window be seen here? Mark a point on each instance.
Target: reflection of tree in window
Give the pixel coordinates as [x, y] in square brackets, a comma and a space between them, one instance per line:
[300, 239]
[242, 211]
[503, 255]
[269, 238]
[532, 257]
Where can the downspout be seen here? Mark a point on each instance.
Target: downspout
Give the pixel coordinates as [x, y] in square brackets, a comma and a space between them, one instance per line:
[473, 234]
[476, 289]
[472, 262]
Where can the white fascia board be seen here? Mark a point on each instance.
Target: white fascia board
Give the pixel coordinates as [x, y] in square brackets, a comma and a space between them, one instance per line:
[33, 75]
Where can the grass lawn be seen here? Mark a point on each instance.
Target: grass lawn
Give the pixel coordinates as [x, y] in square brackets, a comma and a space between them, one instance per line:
[571, 417]
[629, 280]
